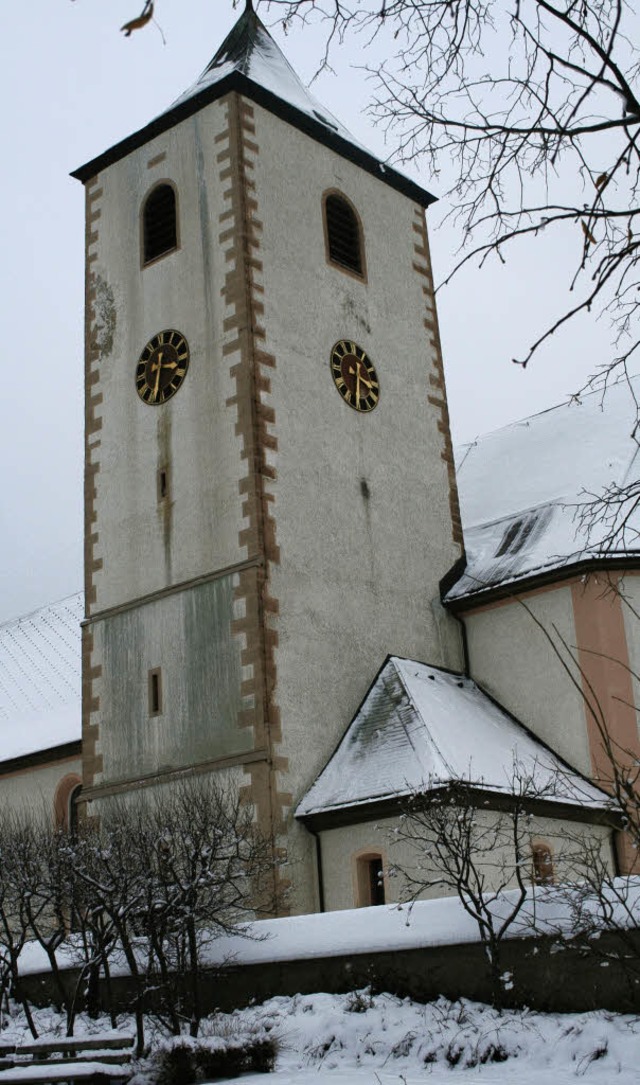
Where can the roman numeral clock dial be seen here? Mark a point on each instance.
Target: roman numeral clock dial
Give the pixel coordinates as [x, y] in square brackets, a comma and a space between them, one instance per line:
[354, 375]
[162, 367]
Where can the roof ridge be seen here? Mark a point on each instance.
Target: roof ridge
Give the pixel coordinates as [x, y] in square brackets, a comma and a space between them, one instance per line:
[425, 725]
[31, 614]
[235, 47]
[574, 399]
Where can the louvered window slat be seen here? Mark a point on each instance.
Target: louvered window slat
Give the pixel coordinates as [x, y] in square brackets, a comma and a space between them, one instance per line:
[343, 234]
[160, 226]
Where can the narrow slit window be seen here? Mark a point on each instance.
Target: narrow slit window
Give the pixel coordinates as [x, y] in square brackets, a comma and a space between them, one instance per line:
[159, 223]
[163, 484]
[344, 237]
[155, 692]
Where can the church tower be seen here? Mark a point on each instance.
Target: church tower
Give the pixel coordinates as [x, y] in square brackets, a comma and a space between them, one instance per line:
[269, 486]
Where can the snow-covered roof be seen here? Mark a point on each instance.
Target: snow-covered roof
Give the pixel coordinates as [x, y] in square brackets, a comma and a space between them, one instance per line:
[421, 728]
[40, 679]
[522, 486]
[250, 62]
[250, 49]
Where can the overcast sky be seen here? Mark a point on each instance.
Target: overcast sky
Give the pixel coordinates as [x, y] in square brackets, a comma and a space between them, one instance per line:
[72, 85]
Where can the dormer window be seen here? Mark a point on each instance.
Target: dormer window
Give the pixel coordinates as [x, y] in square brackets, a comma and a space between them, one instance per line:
[516, 535]
[159, 223]
[343, 234]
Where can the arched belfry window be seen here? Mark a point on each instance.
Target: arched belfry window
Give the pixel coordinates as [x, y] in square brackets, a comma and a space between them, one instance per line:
[159, 223]
[343, 234]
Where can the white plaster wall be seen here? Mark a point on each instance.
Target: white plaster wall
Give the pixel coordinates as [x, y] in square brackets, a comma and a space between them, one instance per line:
[187, 634]
[512, 659]
[341, 846]
[194, 431]
[34, 789]
[227, 780]
[357, 577]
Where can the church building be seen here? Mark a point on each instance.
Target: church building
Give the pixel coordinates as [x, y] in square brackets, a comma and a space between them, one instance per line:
[276, 582]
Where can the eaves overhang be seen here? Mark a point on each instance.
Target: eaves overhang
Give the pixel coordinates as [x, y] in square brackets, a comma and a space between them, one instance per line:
[541, 579]
[64, 752]
[239, 83]
[395, 805]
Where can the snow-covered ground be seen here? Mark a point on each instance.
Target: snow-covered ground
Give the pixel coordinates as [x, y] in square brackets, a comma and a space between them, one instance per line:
[391, 1040]
[383, 1040]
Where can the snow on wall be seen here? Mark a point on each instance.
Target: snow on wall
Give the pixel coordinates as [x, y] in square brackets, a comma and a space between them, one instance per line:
[389, 928]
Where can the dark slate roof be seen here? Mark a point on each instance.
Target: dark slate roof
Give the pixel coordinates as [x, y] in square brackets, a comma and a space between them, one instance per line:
[421, 728]
[250, 62]
[522, 488]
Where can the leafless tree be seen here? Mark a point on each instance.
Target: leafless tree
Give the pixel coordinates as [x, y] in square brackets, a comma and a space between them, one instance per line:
[461, 843]
[167, 875]
[41, 877]
[599, 899]
[600, 912]
[152, 883]
[215, 871]
[619, 765]
[535, 105]
[530, 112]
[14, 927]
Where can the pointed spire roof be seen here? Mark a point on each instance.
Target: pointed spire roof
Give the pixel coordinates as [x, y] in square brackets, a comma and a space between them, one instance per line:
[250, 50]
[250, 62]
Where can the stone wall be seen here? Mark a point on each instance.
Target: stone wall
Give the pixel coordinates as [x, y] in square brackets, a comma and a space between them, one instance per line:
[544, 977]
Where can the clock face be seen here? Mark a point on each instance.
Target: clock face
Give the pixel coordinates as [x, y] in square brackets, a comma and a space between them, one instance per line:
[354, 375]
[162, 367]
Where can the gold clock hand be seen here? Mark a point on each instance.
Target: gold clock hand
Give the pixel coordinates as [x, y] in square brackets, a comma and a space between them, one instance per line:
[157, 387]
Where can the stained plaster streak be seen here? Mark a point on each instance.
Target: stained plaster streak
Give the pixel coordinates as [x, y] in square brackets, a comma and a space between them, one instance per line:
[104, 325]
[205, 220]
[165, 506]
[201, 672]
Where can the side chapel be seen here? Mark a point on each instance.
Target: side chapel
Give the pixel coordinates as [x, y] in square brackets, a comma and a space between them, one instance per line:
[276, 583]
